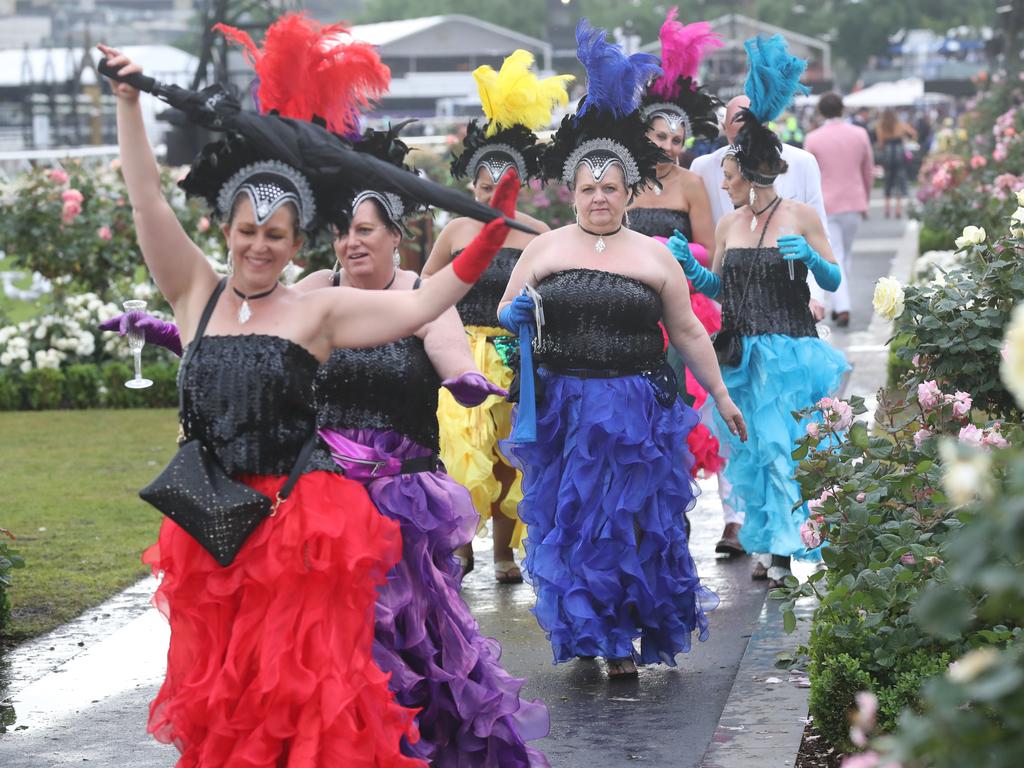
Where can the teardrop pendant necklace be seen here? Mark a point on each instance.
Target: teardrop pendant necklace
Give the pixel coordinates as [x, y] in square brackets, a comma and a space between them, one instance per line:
[600, 245]
[245, 311]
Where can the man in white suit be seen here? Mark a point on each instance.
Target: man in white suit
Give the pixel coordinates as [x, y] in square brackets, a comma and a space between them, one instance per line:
[802, 182]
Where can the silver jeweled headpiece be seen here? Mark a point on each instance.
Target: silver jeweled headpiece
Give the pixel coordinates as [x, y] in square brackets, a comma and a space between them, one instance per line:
[497, 158]
[600, 155]
[280, 184]
[392, 204]
[671, 113]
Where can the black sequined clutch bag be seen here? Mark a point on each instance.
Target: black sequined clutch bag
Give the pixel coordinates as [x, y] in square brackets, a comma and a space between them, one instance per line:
[215, 510]
[194, 491]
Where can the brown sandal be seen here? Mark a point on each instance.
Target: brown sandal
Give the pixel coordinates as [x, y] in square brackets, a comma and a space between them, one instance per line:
[507, 572]
[619, 669]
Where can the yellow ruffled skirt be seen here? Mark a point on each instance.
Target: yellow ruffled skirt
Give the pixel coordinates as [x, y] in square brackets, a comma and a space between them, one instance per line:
[469, 436]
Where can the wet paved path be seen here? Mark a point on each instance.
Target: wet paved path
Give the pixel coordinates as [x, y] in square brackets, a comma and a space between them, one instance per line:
[81, 694]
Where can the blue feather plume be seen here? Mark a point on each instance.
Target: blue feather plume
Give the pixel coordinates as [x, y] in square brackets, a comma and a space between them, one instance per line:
[774, 76]
[615, 82]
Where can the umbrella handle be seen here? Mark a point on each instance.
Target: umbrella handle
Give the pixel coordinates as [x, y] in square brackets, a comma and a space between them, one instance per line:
[136, 79]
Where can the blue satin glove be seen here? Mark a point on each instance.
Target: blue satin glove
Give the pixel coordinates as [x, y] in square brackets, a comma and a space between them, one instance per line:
[703, 279]
[517, 314]
[796, 248]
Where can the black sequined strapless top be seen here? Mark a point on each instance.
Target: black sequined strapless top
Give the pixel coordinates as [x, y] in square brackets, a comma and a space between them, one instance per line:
[599, 320]
[480, 305]
[249, 399]
[660, 222]
[392, 386]
[774, 303]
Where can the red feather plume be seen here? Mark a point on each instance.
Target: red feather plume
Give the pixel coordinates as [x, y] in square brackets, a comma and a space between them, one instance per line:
[307, 69]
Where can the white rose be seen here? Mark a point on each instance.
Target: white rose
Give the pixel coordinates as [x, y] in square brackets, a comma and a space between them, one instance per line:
[6, 359]
[1020, 197]
[965, 478]
[888, 298]
[971, 236]
[142, 291]
[26, 367]
[1012, 367]
[972, 664]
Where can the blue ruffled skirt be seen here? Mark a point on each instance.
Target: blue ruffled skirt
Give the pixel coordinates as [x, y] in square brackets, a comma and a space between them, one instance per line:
[778, 375]
[605, 487]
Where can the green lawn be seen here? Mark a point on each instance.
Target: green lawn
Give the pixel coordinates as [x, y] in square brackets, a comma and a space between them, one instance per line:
[13, 309]
[70, 495]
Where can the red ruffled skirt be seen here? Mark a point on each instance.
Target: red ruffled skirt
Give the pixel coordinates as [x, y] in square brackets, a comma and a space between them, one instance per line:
[270, 662]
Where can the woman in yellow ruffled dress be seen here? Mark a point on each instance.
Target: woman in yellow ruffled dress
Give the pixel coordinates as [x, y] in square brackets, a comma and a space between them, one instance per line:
[516, 104]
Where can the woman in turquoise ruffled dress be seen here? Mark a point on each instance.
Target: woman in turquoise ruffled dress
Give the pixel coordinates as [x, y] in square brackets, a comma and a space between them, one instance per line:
[773, 362]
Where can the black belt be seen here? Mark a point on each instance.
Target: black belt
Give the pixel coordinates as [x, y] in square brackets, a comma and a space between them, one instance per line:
[598, 373]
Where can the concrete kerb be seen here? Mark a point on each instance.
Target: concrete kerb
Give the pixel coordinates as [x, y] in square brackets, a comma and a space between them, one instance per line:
[765, 715]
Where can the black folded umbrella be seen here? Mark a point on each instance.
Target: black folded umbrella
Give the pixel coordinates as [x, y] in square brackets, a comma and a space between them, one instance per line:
[307, 146]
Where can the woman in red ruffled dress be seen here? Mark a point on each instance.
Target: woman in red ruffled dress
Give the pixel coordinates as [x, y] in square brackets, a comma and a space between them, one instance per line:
[270, 662]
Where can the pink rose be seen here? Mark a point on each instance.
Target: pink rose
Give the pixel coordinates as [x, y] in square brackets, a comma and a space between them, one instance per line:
[203, 225]
[962, 403]
[825, 403]
[862, 760]
[861, 496]
[58, 176]
[812, 429]
[928, 395]
[972, 436]
[810, 533]
[70, 211]
[999, 154]
[104, 233]
[993, 439]
[908, 559]
[920, 436]
[72, 196]
[843, 413]
[978, 162]
[916, 360]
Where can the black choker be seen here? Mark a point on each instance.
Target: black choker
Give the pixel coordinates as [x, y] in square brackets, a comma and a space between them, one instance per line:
[599, 246]
[244, 312]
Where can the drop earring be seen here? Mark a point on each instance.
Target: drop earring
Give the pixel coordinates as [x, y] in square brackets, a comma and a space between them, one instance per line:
[230, 266]
[626, 224]
[396, 258]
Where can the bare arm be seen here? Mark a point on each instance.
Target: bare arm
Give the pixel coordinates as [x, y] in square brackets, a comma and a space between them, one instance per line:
[689, 337]
[447, 347]
[867, 166]
[356, 318]
[700, 214]
[178, 267]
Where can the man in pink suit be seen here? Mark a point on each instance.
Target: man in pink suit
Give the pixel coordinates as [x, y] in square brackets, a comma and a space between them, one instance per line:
[844, 155]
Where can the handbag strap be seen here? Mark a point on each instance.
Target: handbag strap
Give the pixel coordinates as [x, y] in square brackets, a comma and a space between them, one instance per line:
[296, 473]
[204, 320]
[757, 252]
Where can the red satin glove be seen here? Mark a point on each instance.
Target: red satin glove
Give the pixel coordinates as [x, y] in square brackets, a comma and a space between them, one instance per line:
[475, 257]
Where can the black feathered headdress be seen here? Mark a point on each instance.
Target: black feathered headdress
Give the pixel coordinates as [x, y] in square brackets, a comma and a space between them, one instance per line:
[387, 146]
[607, 128]
[772, 81]
[517, 103]
[675, 96]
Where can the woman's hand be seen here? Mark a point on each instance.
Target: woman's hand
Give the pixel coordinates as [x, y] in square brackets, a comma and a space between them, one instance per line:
[124, 66]
[732, 417]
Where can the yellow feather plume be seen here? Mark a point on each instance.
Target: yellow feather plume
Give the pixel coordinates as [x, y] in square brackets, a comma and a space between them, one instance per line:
[516, 96]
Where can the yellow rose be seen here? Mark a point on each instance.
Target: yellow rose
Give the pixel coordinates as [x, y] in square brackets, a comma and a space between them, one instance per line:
[1017, 221]
[971, 236]
[888, 298]
[965, 477]
[1012, 368]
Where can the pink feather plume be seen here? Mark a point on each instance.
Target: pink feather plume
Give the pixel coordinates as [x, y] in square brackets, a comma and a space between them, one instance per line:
[683, 47]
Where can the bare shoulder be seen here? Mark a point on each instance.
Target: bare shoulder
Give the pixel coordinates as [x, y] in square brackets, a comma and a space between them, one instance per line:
[532, 221]
[405, 279]
[318, 279]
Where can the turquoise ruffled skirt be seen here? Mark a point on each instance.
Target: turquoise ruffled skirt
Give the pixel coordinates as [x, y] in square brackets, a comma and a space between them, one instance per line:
[778, 375]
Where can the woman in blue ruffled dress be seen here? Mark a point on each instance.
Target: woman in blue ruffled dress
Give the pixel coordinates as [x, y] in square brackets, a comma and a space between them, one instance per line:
[606, 477]
[772, 360]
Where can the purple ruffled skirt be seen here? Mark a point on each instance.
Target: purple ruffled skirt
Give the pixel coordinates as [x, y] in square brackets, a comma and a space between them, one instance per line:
[471, 712]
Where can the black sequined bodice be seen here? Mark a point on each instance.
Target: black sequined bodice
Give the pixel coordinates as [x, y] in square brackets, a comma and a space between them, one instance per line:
[599, 320]
[660, 222]
[249, 399]
[480, 305]
[392, 386]
[774, 303]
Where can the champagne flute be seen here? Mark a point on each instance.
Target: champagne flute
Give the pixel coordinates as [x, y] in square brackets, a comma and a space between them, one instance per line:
[785, 229]
[136, 341]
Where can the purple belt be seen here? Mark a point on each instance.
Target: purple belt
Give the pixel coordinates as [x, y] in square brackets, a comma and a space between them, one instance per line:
[360, 462]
